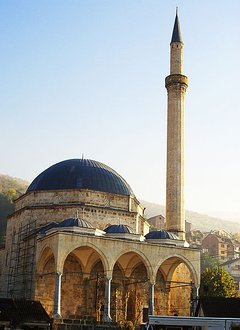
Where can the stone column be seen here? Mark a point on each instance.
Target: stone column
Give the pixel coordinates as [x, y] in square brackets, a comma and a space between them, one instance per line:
[57, 296]
[151, 298]
[106, 315]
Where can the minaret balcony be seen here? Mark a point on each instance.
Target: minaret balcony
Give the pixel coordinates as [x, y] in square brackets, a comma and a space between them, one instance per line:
[176, 79]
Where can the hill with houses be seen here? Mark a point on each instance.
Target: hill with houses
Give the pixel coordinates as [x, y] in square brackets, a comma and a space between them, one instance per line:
[203, 222]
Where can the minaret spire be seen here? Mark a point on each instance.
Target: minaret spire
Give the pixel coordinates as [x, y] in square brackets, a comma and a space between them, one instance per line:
[176, 35]
[176, 84]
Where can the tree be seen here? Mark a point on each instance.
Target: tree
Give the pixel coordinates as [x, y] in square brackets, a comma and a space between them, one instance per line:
[217, 282]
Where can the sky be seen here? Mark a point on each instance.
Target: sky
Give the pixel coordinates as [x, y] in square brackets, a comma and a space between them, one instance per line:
[86, 77]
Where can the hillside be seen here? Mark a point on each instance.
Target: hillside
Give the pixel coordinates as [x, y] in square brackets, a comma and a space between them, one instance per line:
[199, 221]
[10, 189]
[7, 182]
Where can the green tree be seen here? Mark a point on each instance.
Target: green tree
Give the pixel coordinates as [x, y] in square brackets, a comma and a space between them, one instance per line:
[217, 282]
[11, 195]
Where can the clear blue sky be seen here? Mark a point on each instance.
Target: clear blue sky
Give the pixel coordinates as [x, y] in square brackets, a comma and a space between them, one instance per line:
[88, 77]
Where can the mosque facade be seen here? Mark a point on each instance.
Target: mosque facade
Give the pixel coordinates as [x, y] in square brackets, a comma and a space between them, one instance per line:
[79, 242]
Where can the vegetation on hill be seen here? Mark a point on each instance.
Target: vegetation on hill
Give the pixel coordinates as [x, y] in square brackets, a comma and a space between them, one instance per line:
[10, 189]
[199, 221]
[7, 182]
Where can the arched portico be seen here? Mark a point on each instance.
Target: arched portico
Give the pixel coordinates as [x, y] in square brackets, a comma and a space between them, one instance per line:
[117, 284]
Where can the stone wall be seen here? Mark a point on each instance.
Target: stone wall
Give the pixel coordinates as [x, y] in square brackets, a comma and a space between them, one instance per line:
[86, 197]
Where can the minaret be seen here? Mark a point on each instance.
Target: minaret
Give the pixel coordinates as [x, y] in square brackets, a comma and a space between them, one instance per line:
[176, 84]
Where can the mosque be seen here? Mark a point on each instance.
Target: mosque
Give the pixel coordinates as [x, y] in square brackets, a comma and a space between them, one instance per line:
[79, 243]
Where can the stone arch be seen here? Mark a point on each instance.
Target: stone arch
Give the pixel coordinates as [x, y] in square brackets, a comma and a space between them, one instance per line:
[174, 261]
[89, 245]
[82, 288]
[130, 285]
[45, 279]
[44, 254]
[139, 253]
[179, 276]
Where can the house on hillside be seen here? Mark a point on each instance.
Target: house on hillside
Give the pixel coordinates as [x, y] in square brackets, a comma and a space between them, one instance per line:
[194, 238]
[220, 246]
[158, 221]
[222, 233]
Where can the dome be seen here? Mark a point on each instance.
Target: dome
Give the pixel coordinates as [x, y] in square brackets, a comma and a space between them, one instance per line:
[161, 234]
[81, 174]
[118, 229]
[75, 222]
[70, 222]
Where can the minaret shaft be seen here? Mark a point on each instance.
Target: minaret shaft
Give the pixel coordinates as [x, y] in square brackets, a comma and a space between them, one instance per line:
[176, 58]
[176, 84]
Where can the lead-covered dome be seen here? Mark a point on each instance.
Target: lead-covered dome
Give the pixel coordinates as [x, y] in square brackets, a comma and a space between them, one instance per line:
[70, 222]
[81, 174]
[161, 234]
[118, 229]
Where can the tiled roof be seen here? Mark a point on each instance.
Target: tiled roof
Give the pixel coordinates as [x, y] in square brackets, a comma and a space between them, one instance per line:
[229, 262]
[220, 306]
